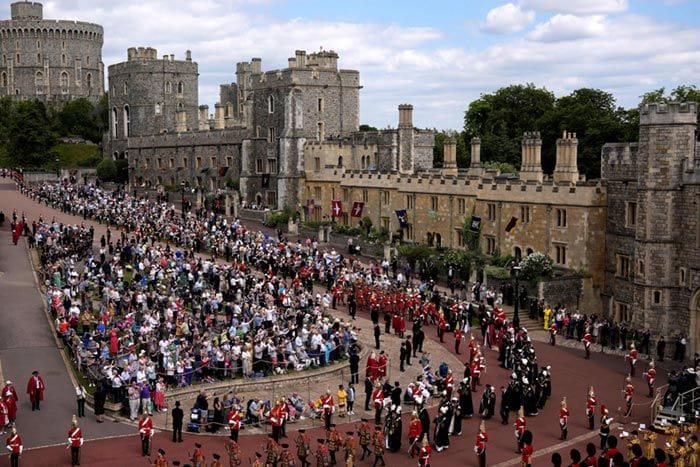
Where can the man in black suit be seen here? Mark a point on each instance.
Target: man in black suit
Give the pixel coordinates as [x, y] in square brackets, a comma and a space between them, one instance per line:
[177, 415]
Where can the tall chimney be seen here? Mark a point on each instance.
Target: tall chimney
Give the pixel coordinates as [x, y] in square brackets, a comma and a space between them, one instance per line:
[203, 118]
[531, 165]
[301, 58]
[256, 65]
[188, 55]
[449, 164]
[219, 122]
[405, 116]
[566, 169]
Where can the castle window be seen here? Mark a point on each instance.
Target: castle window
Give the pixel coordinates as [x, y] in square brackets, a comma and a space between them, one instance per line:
[271, 198]
[561, 218]
[159, 164]
[270, 104]
[346, 194]
[271, 134]
[630, 214]
[317, 164]
[622, 267]
[320, 133]
[622, 312]
[4, 59]
[365, 196]
[409, 232]
[127, 121]
[272, 166]
[517, 253]
[460, 238]
[87, 60]
[63, 45]
[682, 277]
[640, 269]
[461, 206]
[88, 80]
[64, 81]
[525, 214]
[560, 254]
[39, 79]
[528, 251]
[386, 197]
[212, 162]
[198, 163]
[434, 203]
[656, 297]
[320, 104]
[115, 122]
[17, 59]
[168, 87]
[171, 163]
[340, 161]
[63, 59]
[38, 59]
[158, 108]
[258, 166]
[38, 44]
[410, 202]
[490, 245]
[385, 223]
[491, 214]
[180, 88]
[3, 79]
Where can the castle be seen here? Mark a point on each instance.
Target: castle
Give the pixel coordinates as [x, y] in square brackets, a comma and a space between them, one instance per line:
[49, 60]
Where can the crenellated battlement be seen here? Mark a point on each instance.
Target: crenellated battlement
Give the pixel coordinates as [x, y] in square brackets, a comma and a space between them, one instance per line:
[668, 113]
[619, 161]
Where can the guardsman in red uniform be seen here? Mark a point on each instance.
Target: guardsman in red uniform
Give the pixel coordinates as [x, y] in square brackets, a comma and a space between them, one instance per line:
[564, 419]
[424, 454]
[631, 358]
[650, 376]
[302, 442]
[591, 403]
[327, 404]
[334, 443]
[458, 339]
[587, 341]
[378, 400]
[197, 456]
[146, 432]
[628, 393]
[449, 384]
[350, 444]
[234, 453]
[14, 445]
[234, 423]
[480, 444]
[275, 419]
[365, 436]
[35, 389]
[519, 425]
[9, 396]
[526, 457]
[414, 431]
[378, 445]
[441, 327]
[75, 441]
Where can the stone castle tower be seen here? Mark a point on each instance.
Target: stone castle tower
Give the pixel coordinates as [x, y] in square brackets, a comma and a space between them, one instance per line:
[150, 96]
[50, 60]
[653, 223]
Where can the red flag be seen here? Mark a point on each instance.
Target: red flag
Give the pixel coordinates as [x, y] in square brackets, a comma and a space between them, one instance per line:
[357, 208]
[336, 208]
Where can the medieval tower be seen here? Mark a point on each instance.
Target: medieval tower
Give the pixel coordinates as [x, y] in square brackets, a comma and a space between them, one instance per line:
[50, 60]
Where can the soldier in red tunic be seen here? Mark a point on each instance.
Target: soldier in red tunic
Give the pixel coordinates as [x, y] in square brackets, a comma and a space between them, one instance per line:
[75, 441]
[587, 340]
[327, 405]
[424, 454]
[526, 457]
[414, 431]
[591, 403]
[458, 339]
[35, 389]
[631, 358]
[519, 425]
[650, 376]
[146, 432]
[234, 423]
[480, 444]
[14, 445]
[564, 419]
[628, 393]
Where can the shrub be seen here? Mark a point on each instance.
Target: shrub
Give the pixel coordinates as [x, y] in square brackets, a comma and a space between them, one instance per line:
[537, 266]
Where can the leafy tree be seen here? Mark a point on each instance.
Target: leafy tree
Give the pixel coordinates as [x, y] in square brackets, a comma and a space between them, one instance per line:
[503, 167]
[121, 167]
[106, 170]
[29, 136]
[365, 127]
[79, 118]
[536, 266]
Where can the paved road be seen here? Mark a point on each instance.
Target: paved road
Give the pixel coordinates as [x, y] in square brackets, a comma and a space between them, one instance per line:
[27, 343]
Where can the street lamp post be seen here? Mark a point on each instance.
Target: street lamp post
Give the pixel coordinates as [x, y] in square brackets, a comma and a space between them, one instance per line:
[515, 269]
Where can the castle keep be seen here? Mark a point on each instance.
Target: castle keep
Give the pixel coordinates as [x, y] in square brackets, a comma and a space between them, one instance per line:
[49, 60]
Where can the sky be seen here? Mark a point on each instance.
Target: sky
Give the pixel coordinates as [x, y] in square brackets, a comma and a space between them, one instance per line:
[438, 56]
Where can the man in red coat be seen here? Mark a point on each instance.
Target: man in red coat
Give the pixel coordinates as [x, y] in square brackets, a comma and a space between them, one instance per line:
[14, 445]
[9, 396]
[35, 389]
[146, 432]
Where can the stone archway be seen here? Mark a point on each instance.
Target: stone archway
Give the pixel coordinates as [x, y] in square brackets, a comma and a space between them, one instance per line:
[694, 335]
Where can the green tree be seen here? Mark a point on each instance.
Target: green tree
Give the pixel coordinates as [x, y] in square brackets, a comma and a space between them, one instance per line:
[106, 170]
[365, 127]
[79, 118]
[500, 118]
[439, 149]
[29, 136]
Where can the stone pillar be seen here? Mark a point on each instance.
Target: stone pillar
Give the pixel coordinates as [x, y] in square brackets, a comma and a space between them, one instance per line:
[219, 112]
[475, 165]
[566, 169]
[449, 164]
[203, 118]
[531, 166]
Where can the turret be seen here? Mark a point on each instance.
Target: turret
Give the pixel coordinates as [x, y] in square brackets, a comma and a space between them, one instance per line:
[26, 10]
[531, 164]
[566, 169]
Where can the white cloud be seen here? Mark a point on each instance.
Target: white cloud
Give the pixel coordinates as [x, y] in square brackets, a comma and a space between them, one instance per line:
[569, 27]
[508, 18]
[578, 7]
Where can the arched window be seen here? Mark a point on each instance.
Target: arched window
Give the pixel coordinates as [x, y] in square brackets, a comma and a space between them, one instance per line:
[3, 79]
[340, 161]
[64, 80]
[518, 253]
[438, 240]
[127, 121]
[88, 80]
[115, 122]
[87, 60]
[270, 104]
[39, 79]
[180, 88]
[63, 59]
[38, 59]
[168, 87]
[320, 134]
[528, 252]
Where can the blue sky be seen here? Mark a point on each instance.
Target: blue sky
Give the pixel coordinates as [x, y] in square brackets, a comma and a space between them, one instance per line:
[438, 56]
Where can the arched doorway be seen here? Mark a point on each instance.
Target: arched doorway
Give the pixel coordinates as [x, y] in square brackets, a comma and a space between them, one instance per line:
[694, 335]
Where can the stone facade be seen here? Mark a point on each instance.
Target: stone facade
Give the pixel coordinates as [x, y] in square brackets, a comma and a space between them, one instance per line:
[50, 60]
[652, 267]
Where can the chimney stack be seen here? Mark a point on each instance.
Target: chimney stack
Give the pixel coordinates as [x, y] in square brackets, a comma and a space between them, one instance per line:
[475, 165]
[188, 55]
[566, 169]
[531, 164]
[204, 118]
[219, 122]
[405, 116]
[449, 164]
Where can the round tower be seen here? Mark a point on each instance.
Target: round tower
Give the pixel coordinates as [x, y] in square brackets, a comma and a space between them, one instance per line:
[50, 60]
